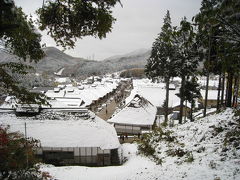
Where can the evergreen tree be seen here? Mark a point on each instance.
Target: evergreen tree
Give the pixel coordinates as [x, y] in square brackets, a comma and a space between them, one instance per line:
[191, 91]
[206, 23]
[228, 18]
[162, 62]
[187, 56]
[218, 29]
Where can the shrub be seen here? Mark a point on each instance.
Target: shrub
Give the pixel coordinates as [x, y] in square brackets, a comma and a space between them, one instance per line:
[189, 157]
[144, 145]
[149, 143]
[17, 160]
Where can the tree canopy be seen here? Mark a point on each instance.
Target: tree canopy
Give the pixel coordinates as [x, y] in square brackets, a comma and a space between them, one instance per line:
[218, 31]
[162, 62]
[67, 20]
[187, 56]
[18, 37]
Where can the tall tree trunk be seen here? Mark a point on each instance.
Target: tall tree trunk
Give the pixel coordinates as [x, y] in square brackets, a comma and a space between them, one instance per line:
[223, 87]
[185, 116]
[166, 101]
[206, 95]
[219, 91]
[229, 89]
[235, 92]
[191, 111]
[181, 99]
[226, 93]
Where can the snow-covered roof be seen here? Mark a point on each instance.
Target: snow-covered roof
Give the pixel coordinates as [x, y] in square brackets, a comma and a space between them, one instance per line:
[155, 93]
[139, 111]
[62, 79]
[212, 94]
[65, 102]
[88, 93]
[184, 105]
[67, 132]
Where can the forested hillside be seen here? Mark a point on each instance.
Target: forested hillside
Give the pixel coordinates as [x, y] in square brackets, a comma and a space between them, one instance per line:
[54, 60]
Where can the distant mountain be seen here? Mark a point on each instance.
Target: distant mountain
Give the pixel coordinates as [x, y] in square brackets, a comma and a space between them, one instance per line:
[136, 59]
[53, 61]
[56, 60]
[133, 53]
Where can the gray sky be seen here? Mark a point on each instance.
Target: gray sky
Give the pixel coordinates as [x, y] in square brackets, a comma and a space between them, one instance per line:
[137, 25]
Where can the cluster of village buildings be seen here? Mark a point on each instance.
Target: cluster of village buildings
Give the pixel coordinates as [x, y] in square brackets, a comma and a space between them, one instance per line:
[113, 110]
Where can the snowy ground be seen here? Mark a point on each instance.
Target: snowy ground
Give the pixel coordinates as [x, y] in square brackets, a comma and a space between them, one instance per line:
[204, 139]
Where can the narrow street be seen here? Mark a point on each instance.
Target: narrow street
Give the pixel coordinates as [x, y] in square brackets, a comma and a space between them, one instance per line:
[108, 110]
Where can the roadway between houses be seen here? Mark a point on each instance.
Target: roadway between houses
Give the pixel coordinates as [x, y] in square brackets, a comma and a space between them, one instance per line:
[107, 112]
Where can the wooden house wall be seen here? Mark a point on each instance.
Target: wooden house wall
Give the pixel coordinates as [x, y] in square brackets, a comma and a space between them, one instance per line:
[131, 129]
[186, 110]
[90, 156]
[210, 102]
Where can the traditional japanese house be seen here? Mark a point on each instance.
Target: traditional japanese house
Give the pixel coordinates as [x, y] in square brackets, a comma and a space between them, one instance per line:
[70, 140]
[137, 116]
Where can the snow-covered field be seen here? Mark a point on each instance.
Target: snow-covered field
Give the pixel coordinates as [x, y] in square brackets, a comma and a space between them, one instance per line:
[211, 159]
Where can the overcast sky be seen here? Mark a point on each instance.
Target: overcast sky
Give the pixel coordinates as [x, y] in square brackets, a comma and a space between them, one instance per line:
[138, 23]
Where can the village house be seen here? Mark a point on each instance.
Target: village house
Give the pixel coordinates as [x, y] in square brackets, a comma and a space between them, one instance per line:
[77, 98]
[87, 96]
[212, 98]
[70, 140]
[27, 109]
[186, 109]
[137, 116]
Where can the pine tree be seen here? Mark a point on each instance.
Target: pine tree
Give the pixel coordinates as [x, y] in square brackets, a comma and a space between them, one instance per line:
[162, 62]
